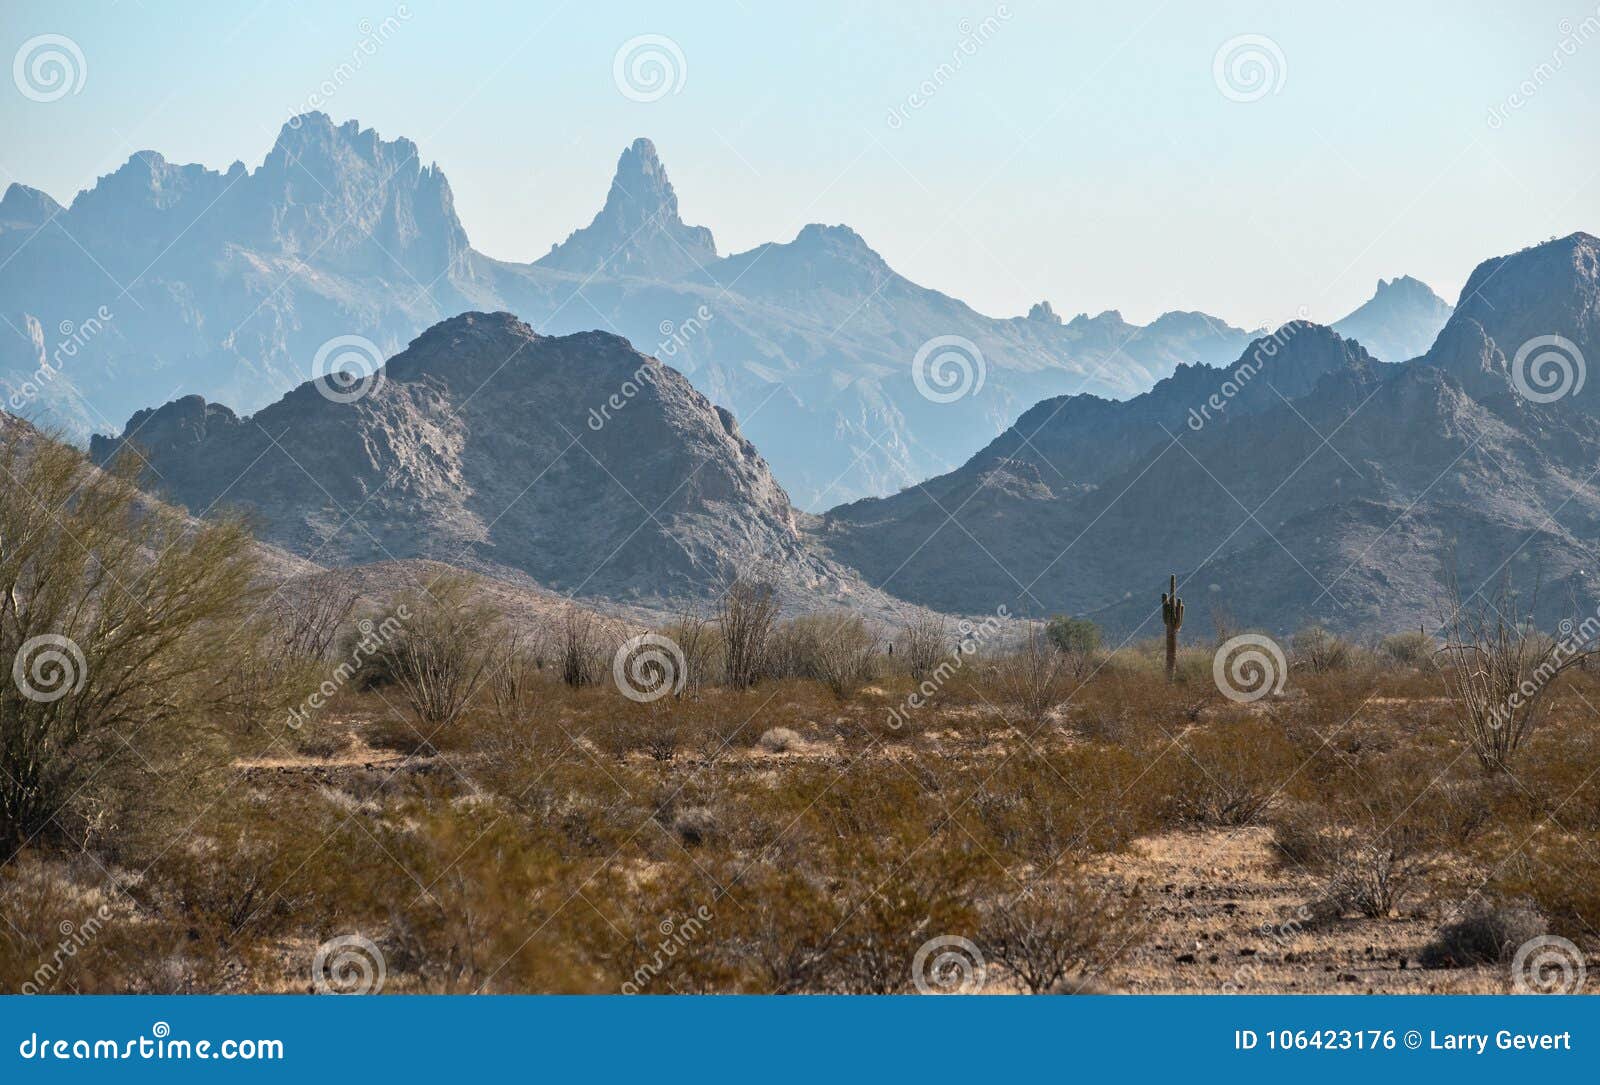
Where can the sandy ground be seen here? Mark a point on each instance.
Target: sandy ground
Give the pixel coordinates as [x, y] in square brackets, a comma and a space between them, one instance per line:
[1223, 918]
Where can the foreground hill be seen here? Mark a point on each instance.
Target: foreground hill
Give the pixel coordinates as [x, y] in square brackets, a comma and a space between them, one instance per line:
[1307, 482]
[573, 460]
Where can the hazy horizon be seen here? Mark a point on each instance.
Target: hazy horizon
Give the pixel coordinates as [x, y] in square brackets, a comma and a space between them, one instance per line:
[1147, 176]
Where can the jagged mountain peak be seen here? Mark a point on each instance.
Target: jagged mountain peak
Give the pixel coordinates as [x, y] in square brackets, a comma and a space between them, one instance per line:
[1399, 321]
[1043, 311]
[639, 230]
[25, 207]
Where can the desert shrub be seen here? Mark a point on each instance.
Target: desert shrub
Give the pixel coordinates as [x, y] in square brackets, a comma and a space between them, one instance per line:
[1035, 676]
[578, 646]
[924, 642]
[1320, 651]
[517, 675]
[1559, 873]
[1488, 932]
[745, 616]
[778, 740]
[119, 618]
[1228, 774]
[1078, 635]
[1047, 932]
[696, 637]
[888, 907]
[1374, 876]
[1414, 649]
[1499, 669]
[446, 651]
[834, 648]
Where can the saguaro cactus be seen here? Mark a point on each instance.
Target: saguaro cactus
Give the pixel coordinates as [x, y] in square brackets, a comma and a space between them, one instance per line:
[1172, 617]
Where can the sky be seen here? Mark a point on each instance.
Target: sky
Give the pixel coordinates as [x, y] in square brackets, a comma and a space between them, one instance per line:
[1100, 156]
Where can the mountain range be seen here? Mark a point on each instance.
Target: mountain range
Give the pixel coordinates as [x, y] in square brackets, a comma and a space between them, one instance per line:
[1306, 482]
[164, 280]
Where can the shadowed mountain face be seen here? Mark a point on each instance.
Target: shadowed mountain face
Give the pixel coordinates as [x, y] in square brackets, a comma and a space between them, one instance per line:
[227, 284]
[573, 460]
[1314, 484]
[1400, 321]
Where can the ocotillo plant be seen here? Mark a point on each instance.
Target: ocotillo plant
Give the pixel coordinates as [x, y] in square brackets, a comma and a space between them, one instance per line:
[1172, 616]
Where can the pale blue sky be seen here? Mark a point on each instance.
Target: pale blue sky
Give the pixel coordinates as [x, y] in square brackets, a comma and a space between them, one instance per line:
[1083, 153]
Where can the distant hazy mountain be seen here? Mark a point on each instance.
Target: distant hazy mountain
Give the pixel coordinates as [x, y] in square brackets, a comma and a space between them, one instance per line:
[479, 447]
[1399, 322]
[1307, 482]
[227, 284]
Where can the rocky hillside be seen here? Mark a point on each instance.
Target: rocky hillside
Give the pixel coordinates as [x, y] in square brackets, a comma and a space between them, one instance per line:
[573, 461]
[1312, 485]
